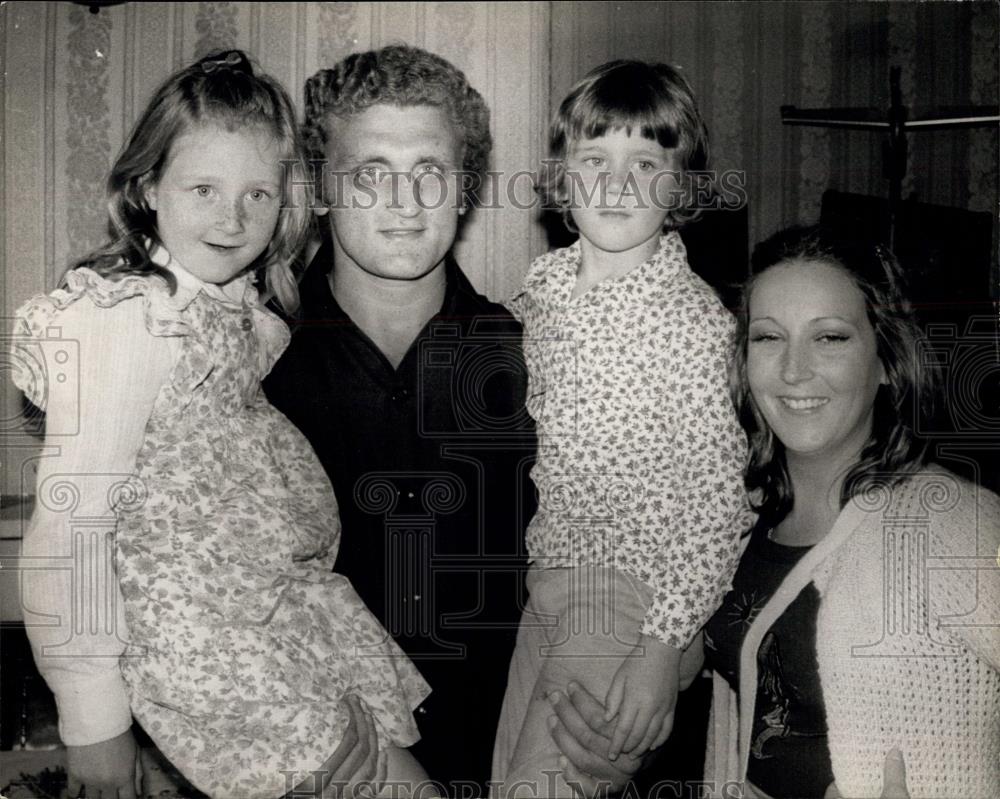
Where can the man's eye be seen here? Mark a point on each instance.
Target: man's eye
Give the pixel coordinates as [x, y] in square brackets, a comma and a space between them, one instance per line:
[645, 166]
[595, 161]
[203, 191]
[259, 195]
[428, 169]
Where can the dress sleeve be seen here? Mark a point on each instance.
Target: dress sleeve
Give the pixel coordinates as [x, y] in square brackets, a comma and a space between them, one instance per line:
[95, 422]
[700, 484]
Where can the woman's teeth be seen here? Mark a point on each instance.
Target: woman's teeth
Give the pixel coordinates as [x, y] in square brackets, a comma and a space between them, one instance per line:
[804, 404]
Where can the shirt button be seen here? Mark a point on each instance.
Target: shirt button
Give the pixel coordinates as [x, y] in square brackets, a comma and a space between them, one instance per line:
[247, 323]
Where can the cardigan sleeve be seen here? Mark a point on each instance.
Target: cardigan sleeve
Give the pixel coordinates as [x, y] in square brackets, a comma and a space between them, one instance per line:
[95, 425]
[965, 572]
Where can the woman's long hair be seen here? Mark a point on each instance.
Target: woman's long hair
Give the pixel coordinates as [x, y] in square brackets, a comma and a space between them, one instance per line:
[894, 448]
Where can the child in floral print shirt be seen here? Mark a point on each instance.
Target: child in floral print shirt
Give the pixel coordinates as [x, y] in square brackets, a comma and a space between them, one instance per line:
[639, 470]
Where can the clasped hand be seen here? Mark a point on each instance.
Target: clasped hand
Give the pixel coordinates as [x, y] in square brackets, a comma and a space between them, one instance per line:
[642, 698]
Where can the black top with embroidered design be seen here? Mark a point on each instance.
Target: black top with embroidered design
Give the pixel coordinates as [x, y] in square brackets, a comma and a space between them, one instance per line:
[789, 756]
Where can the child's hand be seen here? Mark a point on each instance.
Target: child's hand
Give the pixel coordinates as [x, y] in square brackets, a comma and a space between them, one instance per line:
[643, 695]
[106, 770]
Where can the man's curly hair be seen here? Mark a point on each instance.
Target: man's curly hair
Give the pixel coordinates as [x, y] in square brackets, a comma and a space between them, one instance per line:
[402, 76]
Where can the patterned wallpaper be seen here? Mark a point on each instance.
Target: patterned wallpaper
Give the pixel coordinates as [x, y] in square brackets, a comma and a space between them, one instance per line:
[746, 60]
[74, 81]
[84, 77]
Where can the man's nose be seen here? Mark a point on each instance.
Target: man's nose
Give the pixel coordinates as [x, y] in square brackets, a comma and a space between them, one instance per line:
[406, 195]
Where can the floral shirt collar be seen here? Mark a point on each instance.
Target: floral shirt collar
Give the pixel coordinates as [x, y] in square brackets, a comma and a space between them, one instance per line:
[643, 285]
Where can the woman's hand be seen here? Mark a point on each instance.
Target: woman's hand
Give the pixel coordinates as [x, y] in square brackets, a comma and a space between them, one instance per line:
[106, 770]
[893, 779]
[584, 737]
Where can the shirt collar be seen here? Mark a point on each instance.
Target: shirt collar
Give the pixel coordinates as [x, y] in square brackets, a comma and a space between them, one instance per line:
[189, 286]
[645, 283]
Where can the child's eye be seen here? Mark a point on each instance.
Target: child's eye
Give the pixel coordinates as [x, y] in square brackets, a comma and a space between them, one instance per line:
[368, 176]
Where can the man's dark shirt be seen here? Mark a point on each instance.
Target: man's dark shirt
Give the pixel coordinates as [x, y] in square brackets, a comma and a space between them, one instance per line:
[430, 465]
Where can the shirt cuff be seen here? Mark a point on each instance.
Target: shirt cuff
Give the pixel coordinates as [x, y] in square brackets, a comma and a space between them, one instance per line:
[678, 638]
[93, 711]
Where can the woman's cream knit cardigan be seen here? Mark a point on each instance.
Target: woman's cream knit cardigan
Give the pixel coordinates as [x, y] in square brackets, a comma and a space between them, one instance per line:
[908, 643]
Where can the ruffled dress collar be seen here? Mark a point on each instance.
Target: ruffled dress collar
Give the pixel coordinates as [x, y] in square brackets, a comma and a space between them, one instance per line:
[238, 291]
[165, 315]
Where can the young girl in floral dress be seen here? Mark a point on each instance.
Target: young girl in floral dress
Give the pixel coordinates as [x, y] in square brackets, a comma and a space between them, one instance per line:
[241, 642]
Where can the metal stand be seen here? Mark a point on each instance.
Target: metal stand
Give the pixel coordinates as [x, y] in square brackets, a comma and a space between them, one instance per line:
[896, 124]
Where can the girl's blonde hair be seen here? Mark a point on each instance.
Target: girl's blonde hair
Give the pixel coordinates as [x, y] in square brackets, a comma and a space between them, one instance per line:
[221, 89]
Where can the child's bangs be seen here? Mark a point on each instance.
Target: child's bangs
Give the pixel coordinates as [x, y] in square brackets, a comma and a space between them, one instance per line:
[636, 107]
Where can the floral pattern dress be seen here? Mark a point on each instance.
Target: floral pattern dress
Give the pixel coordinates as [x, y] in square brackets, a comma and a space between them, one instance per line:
[242, 641]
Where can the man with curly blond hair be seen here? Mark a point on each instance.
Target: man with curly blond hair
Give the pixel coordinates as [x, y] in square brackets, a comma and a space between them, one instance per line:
[411, 387]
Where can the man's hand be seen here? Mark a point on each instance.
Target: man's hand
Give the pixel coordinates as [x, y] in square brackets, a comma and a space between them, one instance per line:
[643, 695]
[893, 779]
[584, 737]
[106, 770]
[355, 768]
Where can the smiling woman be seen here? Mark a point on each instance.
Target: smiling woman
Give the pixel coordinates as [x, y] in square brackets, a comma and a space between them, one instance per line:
[812, 365]
[828, 364]
[836, 645]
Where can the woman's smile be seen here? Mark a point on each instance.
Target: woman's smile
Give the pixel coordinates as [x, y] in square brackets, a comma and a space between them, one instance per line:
[804, 404]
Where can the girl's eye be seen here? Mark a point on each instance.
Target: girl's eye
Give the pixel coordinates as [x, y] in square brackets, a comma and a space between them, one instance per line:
[833, 338]
[764, 338]
[368, 176]
[258, 195]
